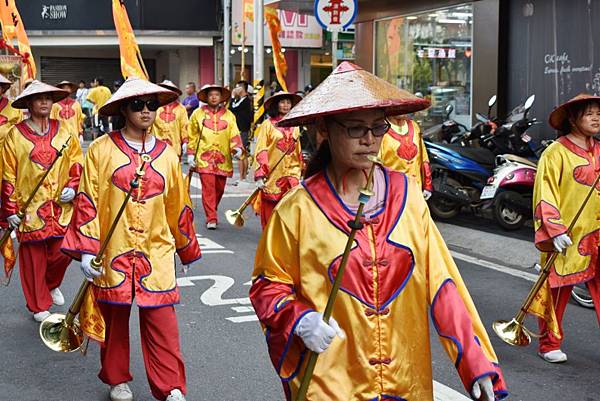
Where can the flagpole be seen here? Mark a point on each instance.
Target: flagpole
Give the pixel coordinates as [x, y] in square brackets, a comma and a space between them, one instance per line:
[259, 40]
[226, 41]
[243, 66]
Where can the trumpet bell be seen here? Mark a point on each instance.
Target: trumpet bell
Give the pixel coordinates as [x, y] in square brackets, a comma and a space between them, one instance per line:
[512, 332]
[235, 218]
[60, 337]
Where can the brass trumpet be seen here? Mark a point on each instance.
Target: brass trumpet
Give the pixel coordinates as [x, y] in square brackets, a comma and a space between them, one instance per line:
[23, 209]
[355, 225]
[514, 332]
[62, 333]
[236, 217]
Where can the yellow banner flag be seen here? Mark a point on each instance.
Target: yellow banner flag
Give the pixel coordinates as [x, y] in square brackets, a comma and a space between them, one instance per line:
[90, 318]
[248, 8]
[543, 307]
[10, 259]
[132, 64]
[272, 18]
[12, 27]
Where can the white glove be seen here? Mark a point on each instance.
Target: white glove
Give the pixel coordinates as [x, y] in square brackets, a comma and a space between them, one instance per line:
[426, 194]
[184, 149]
[315, 333]
[80, 140]
[237, 153]
[191, 159]
[13, 221]
[86, 267]
[562, 242]
[67, 195]
[483, 389]
[261, 184]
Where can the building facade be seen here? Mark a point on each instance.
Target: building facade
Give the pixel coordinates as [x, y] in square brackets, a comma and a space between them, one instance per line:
[76, 40]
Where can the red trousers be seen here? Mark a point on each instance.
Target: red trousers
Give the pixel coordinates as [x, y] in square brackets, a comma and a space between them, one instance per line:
[160, 346]
[266, 209]
[42, 267]
[560, 297]
[213, 187]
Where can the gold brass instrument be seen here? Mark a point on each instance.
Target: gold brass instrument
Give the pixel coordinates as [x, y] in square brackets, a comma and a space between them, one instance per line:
[62, 333]
[236, 217]
[23, 209]
[355, 225]
[514, 332]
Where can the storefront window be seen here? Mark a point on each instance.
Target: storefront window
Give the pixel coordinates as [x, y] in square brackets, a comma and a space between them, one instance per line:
[429, 54]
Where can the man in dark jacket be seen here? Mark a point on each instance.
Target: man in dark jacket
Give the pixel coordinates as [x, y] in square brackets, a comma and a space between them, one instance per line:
[241, 107]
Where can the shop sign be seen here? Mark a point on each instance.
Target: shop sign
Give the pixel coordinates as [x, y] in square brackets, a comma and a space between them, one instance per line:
[436, 53]
[54, 11]
[298, 30]
[335, 15]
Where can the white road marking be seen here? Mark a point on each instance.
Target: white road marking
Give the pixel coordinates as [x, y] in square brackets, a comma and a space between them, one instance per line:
[209, 246]
[198, 196]
[242, 319]
[445, 393]
[242, 309]
[494, 266]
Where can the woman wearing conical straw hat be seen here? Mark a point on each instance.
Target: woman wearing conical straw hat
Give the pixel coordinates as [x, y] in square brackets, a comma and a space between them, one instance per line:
[139, 261]
[29, 150]
[566, 172]
[399, 270]
[273, 143]
[69, 111]
[171, 124]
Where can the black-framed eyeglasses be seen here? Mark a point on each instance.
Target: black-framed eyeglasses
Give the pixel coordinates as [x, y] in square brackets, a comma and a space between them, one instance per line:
[138, 104]
[360, 131]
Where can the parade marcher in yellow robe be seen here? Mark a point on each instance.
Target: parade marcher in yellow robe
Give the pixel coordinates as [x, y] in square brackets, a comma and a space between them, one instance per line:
[403, 149]
[139, 262]
[399, 270]
[214, 139]
[29, 149]
[566, 172]
[68, 111]
[272, 143]
[171, 123]
[99, 95]
[9, 116]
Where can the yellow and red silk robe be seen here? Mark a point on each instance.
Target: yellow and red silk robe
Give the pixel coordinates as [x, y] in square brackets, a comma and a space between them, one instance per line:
[271, 144]
[68, 112]
[564, 177]
[171, 125]
[399, 270]
[99, 96]
[216, 135]
[9, 116]
[158, 221]
[26, 157]
[402, 149]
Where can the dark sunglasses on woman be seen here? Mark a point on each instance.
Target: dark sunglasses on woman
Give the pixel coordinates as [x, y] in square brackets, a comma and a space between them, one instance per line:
[138, 105]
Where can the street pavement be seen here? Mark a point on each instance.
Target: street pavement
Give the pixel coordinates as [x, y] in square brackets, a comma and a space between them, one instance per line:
[222, 342]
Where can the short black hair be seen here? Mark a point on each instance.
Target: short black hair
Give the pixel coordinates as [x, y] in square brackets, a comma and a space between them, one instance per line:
[243, 84]
[100, 80]
[192, 84]
[574, 113]
[82, 82]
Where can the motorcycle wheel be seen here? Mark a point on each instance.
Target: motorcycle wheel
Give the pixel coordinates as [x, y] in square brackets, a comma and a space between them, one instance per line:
[582, 297]
[508, 218]
[444, 208]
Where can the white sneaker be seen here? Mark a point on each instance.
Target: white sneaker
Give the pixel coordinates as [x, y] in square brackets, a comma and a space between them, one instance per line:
[40, 316]
[211, 226]
[121, 392]
[556, 356]
[57, 297]
[175, 395]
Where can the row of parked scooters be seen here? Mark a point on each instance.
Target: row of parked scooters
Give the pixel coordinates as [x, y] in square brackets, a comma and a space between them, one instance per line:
[490, 166]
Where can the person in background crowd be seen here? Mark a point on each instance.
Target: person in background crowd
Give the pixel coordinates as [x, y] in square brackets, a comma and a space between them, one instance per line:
[214, 139]
[402, 149]
[241, 107]
[81, 97]
[272, 143]
[191, 101]
[98, 95]
[171, 122]
[29, 150]
[68, 111]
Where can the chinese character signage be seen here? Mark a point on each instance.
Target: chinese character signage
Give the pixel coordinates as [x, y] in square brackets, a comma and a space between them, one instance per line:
[335, 15]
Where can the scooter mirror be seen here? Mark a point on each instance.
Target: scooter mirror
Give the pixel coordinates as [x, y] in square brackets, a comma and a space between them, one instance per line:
[449, 110]
[492, 101]
[529, 102]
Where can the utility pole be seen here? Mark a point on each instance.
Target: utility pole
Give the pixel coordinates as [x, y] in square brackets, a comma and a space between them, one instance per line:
[259, 40]
[226, 41]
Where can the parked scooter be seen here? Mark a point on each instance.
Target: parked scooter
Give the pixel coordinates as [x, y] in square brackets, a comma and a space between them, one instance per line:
[459, 174]
[449, 131]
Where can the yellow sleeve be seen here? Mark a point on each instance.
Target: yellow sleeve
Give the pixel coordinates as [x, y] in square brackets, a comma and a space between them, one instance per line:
[183, 124]
[80, 118]
[194, 130]
[9, 173]
[54, 112]
[262, 145]
[93, 95]
[235, 140]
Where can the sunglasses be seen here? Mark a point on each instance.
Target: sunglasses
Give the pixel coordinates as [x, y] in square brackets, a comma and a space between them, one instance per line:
[360, 130]
[138, 105]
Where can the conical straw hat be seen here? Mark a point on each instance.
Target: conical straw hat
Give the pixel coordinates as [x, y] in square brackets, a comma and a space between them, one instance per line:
[350, 88]
[282, 95]
[170, 86]
[559, 115]
[203, 93]
[4, 80]
[37, 88]
[135, 87]
[72, 86]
